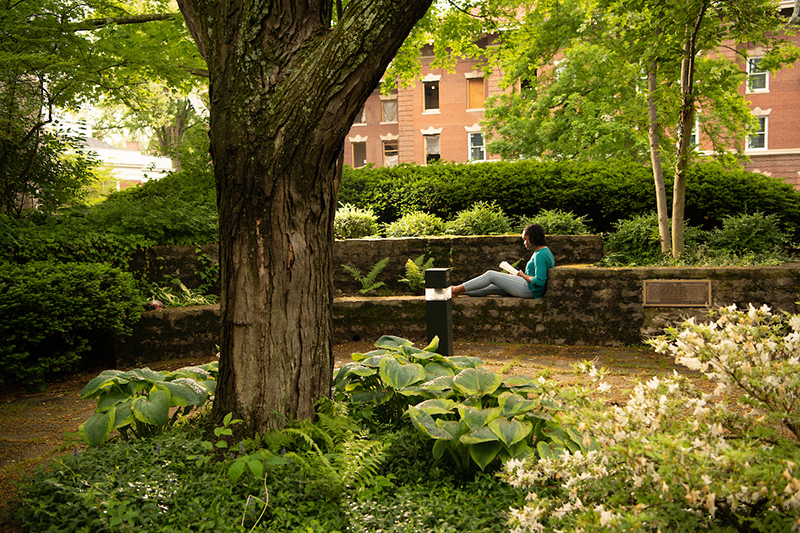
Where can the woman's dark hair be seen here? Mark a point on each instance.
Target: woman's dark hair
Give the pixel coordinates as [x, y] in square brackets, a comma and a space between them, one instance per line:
[535, 233]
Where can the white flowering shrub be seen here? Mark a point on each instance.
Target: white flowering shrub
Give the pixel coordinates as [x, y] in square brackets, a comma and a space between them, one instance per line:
[676, 459]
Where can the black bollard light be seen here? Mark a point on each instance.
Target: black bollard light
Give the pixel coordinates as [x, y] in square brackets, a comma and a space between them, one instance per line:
[439, 308]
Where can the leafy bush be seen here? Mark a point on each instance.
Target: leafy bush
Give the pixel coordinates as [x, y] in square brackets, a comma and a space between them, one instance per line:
[179, 208]
[483, 218]
[369, 281]
[415, 224]
[742, 240]
[741, 234]
[676, 458]
[557, 222]
[53, 313]
[354, 223]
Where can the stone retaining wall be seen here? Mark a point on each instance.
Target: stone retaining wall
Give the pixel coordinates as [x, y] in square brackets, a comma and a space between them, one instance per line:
[583, 306]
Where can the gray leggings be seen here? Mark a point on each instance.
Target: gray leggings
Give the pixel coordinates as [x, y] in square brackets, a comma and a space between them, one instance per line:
[493, 282]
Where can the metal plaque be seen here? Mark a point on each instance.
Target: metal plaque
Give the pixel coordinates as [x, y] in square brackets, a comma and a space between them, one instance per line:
[677, 293]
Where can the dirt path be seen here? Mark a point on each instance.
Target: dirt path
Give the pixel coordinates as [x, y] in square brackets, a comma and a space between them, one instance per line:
[34, 427]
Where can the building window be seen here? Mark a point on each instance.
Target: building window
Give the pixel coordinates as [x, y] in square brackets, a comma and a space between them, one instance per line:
[361, 118]
[432, 148]
[390, 157]
[476, 93]
[389, 111]
[477, 151]
[431, 95]
[758, 140]
[359, 154]
[757, 78]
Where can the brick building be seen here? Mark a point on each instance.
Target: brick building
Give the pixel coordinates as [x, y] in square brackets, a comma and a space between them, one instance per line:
[774, 100]
[435, 118]
[439, 117]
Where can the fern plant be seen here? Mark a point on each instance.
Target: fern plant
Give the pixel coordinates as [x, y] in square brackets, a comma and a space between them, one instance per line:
[368, 283]
[415, 272]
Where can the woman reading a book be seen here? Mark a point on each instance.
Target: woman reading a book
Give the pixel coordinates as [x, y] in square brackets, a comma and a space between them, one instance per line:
[528, 284]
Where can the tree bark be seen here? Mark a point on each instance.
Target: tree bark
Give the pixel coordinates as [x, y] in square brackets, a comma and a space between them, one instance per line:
[284, 88]
[686, 124]
[655, 158]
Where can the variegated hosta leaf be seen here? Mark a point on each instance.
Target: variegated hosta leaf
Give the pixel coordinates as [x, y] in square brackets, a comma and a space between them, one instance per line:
[399, 376]
[426, 424]
[512, 404]
[438, 406]
[97, 428]
[153, 409]
[477, 418]
[511, 431]
[477, 382]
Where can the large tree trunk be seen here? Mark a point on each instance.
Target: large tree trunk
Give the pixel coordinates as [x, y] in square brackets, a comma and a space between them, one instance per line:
[284, 89]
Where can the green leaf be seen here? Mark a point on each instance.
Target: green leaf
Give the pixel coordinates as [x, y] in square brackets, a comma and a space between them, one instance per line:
[399, 376]
[236, 470]
[97, 385]
[185, 391]
[154, 408]
[477, 418]
[436, 406]
[484, 453]
[483, 434]
[465, 361]
[107, 401]
[510, 431]
[377, 397]
[435, 370]
[477, 382]
[426, 425]
[97, 428]
[390, 342]
[512, 404]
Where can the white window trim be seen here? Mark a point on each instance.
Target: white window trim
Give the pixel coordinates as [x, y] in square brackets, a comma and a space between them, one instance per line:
[760, 113]
[389, 137]
[358, 139]
[765, 89]
[469, 145]
[432, 131]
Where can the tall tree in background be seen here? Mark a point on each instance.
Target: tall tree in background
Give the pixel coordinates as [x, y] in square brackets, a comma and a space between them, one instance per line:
[285, 85]
[595, 104]
[56, 54]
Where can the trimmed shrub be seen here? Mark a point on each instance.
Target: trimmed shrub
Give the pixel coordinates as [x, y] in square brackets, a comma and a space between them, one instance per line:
[483, 218]
[65, 238]
[414, 225]
[52, 314]
[603, 192]
[354, 223]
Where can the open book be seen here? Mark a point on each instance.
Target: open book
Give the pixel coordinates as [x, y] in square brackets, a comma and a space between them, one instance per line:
[508, 268]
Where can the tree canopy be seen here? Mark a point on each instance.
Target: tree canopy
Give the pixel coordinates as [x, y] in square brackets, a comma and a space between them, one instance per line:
[58, 54]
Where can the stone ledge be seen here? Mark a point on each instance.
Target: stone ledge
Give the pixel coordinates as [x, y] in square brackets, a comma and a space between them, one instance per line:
[583, 306]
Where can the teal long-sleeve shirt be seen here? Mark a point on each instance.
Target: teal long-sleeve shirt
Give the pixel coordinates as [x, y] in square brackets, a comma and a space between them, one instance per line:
[538, 265]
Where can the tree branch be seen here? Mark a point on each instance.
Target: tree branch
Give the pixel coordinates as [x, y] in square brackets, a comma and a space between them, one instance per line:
[93, 24]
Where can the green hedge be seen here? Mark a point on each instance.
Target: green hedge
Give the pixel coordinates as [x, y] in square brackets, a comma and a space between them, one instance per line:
[64, 238]
[603, 192]
[52, 314]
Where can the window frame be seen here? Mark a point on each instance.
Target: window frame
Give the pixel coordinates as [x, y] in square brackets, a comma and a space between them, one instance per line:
[761, 133]
[471, 146]
[756, 72]
[362, 144]
[425, 107]
[470, 82]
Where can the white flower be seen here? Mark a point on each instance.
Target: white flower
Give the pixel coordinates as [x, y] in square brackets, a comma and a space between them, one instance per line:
[604, 387]
[794, 322]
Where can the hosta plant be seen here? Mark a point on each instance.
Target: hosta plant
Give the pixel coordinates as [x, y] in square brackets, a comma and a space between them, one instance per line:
[390, 378]
[676, 458]
[473, 414]
[143, 402]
